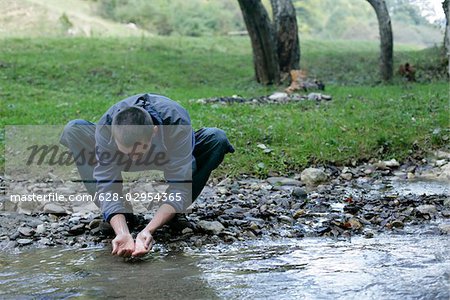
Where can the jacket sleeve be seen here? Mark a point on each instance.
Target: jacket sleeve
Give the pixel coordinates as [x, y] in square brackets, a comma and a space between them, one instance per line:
[178, 171]
[108, 176]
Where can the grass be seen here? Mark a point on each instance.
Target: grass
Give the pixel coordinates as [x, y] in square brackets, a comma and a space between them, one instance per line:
[51, 81]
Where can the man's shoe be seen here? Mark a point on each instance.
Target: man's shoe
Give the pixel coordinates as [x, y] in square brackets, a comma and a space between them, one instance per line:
[179, 222]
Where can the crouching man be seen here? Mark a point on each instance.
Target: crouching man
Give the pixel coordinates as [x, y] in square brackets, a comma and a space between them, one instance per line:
[143, 132]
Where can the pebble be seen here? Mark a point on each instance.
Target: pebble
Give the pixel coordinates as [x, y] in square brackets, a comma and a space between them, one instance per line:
[275, 207]
[187, 230]
[368, 234]
[397, 224]
[198, 243]
[40, 229]
[24, 242]
[286, 219]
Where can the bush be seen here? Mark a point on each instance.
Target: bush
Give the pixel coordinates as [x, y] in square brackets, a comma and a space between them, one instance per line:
[191, 18]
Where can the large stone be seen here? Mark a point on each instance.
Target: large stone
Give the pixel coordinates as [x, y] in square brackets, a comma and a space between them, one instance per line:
[387, 164]
[215, 226]
[312, 176]
[444, 228]
[53, 208]
[393, 163]
[7, 205]
[347, 176]
[426, 209]
[283, 181]
[442, 154]
[279, 96]
[445, 173]
[27, 207]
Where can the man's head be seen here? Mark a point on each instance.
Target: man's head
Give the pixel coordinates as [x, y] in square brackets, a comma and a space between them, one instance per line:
[133, 129]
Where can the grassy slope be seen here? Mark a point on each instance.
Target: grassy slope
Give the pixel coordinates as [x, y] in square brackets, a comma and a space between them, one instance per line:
[41, 18]
[50, 81]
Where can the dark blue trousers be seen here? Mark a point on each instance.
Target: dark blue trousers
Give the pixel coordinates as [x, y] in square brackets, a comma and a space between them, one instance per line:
[211, 145]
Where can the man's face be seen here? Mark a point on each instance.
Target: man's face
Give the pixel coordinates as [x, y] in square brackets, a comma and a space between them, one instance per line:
[137, 151]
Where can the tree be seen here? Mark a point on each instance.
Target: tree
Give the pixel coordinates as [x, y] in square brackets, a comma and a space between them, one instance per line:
[286, 30]
[275, 46]
[262, 37]
[446, 7]
[386, 42]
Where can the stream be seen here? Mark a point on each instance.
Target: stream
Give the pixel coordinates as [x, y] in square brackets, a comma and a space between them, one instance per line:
[385, 267]
[413, 263]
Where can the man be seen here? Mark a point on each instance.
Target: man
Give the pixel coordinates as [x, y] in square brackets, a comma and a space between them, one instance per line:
[143, 132]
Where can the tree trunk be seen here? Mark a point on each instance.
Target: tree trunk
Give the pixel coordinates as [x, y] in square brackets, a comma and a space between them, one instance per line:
[446, 7]
[386, 43]
[261, 33]
[286, 35]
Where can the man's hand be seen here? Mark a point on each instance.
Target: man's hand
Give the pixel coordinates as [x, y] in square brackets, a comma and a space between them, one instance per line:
[123, 245]
[144, 243]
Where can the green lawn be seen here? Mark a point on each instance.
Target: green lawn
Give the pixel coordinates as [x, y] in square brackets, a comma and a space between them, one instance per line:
[51, 81]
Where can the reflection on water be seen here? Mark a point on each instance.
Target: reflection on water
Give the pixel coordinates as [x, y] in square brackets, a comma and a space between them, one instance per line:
[96, 274]
[386, 267]
[421, 187]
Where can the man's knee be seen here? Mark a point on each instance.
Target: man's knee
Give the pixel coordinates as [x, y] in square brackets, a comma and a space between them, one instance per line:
[72, 130]
[219, 138]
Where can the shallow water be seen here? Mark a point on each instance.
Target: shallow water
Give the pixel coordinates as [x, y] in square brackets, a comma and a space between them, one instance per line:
[387, 267]
[421, 187]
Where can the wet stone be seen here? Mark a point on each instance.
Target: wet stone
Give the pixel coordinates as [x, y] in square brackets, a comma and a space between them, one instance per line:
[426, 209]
[24, 242]
[313, 176]
[214, 226]
[40, 229]
[299, 193]
[26, 231]
[281, 181]
[444, 228]
[14, 236]
[77, 229]
[286, 219]
[53, 208]
[94, 224]
[397, 224]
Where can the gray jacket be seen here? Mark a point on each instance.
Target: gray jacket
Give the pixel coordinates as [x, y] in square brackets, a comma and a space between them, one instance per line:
[174, 140]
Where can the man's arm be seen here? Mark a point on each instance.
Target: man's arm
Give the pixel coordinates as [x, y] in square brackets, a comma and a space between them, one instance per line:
[164, 214]
[144, 239]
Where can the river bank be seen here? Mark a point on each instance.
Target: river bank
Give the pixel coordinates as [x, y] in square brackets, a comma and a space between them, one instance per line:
[336, 202]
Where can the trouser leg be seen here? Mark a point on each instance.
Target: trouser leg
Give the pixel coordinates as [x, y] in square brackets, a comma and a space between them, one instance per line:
[211, 145]
[79, 137]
